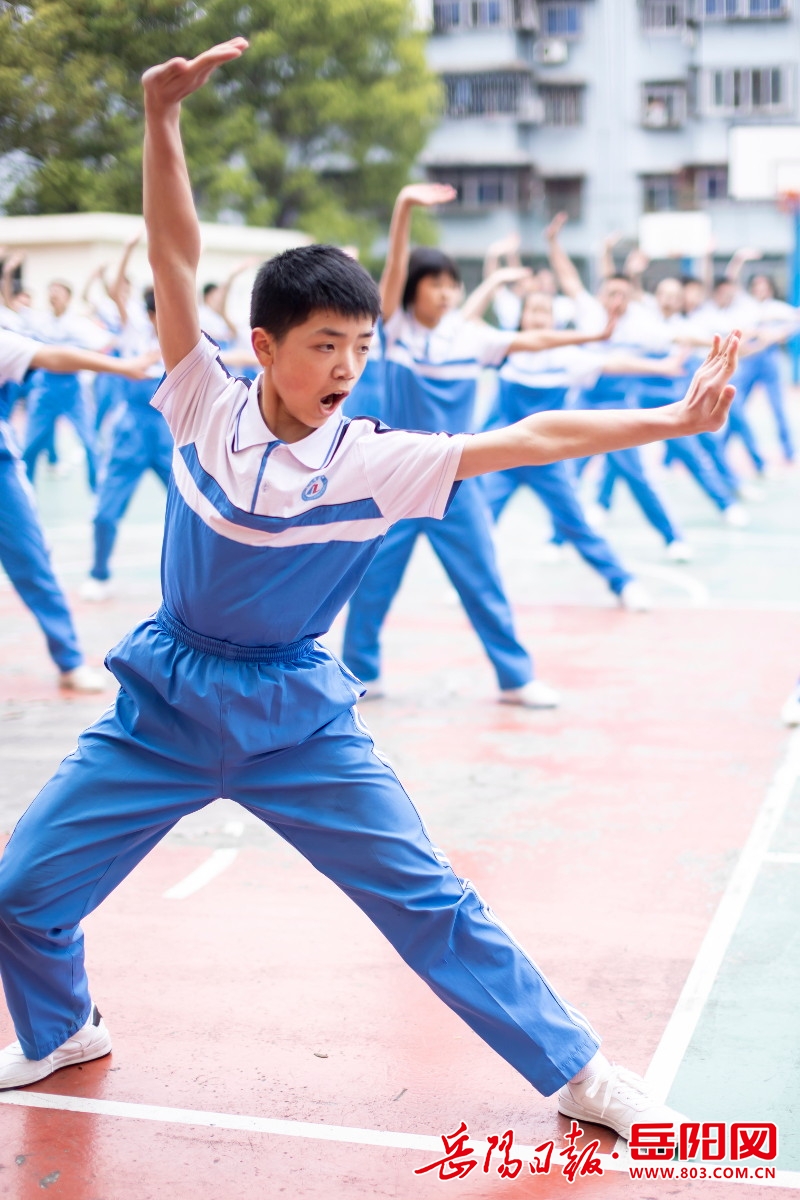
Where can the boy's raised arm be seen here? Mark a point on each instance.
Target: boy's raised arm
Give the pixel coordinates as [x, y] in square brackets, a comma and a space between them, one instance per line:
[173, 234]
[549, 436]
[393, 279]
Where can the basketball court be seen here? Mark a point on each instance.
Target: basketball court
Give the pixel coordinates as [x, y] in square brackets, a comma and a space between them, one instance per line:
[642, 842]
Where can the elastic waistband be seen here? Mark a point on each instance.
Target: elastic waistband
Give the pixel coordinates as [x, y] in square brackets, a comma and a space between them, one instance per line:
[284, 652]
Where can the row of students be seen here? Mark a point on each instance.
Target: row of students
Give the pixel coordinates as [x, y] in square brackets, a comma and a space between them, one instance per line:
[277, 506]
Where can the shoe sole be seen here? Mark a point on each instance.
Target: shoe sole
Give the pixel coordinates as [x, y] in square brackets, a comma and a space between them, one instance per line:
[100, 1051]
[575, 1112]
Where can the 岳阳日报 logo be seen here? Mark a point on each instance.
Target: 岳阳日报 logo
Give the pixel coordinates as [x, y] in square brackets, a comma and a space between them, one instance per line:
[316, 488]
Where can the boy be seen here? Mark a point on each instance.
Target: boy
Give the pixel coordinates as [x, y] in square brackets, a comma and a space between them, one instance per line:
[276, 505]
[23, 549]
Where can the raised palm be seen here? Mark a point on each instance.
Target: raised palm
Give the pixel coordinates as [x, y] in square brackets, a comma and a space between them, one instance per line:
[170, 82]
[428, 194]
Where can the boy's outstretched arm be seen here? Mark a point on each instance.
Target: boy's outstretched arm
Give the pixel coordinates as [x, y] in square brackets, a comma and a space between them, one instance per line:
[173, 234]
[550, 436]
[393, 279]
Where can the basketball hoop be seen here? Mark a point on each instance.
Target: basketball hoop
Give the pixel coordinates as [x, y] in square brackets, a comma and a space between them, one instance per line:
[787, 179]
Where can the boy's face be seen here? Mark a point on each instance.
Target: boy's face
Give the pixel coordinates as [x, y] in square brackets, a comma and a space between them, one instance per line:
[537, 312]
[59, 298]
[311, 371]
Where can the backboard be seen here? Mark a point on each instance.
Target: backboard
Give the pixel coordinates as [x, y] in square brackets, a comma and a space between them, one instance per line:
[764, 161]
[675, 234]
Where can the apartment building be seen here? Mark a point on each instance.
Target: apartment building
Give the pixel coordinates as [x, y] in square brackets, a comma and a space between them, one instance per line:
[607, 109]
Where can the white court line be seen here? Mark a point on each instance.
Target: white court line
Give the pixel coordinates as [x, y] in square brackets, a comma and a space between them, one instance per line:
[218, 862]
[778, 856]
[683, 1022]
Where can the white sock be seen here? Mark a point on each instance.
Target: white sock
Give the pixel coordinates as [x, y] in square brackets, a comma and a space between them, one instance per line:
[593, 1067]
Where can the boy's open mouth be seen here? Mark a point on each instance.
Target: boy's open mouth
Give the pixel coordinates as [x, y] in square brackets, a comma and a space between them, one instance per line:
[332, 399]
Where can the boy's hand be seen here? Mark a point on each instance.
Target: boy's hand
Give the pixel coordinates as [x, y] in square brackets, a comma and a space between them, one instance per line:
[167, 84]
[704, 408]
[556, 225]
[427, 194]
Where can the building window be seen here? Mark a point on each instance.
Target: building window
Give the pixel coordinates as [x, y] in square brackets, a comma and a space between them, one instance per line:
[710, 184]
[451, 15]
[560, 19]
[487, 187]
[661, 193]
[487, 94]
[663, 16]
[562, 105]
[563, 195]
[745, 90]
[663, 105]
[743, 10]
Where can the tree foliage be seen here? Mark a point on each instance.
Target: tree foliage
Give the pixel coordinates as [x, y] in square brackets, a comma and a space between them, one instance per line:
[316, 126]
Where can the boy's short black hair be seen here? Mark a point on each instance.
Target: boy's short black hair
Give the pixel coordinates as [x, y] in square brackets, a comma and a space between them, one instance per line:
[307, 279]
[617, 277]
[720, 281]
[423, 261]
[209, 287]
[684, 279]
[149, 298]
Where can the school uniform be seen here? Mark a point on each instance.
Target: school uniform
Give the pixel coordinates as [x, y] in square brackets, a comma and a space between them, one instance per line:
[635, 331]
[430, 380]
[764, 367]
[540, 382]
[226, 691]
[23, 550]
[712, 319]
[141, 441]
[53, 395]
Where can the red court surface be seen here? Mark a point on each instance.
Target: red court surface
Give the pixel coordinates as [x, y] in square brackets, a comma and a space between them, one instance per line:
[603, 834]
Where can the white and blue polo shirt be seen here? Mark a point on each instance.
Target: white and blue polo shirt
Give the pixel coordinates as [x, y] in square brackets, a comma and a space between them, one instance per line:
[266, 541]
[16, 353]
[538, 381]
[432, 374]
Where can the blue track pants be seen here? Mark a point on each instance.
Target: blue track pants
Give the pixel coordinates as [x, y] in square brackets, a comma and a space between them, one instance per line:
[141, 441]
[53, 396]
[629, 466]
[686, 450]
[713, 445]
[765, 368]
[739, 426]
[26, 560]
[463, 543]
[553, 486]
[192, 722]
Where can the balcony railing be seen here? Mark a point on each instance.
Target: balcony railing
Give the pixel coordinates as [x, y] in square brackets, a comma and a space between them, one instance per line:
[452, 16]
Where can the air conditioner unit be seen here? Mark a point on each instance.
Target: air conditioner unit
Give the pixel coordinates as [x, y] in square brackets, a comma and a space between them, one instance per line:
[550, 51]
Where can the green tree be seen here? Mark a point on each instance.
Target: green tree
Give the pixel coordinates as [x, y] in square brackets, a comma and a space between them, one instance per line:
[316, 127]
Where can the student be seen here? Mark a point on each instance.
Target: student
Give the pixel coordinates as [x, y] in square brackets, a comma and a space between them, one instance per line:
[141, 441]
[637, 330]
[774, 322]
[23, 549]
[433, 359]
[276, 505]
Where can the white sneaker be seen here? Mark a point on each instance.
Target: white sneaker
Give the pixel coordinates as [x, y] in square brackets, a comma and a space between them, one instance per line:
[790, 713]
[83, 679]
[736, 515]
[635, 598]
[616, 1098]
[92, 1041]
[96, 590]
[680, 552]
[375, 691]
[533, 695]
[752, 491]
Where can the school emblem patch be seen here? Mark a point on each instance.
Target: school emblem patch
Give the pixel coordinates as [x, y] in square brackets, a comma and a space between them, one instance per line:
[315, 489]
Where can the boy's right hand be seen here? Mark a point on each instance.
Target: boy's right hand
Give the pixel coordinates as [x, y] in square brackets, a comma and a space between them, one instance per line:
[168, 83]
[428, 194]
[705, 406]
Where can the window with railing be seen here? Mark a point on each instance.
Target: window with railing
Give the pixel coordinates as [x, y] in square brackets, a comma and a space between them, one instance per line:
[562, 106]
[454, 15]
[742, 10]
[661, 193]
[561, 18]
[564, 195]
[710, 184]
[663, 16]
[488, 94]
[663, 105]
[742, 91]
[487, 187]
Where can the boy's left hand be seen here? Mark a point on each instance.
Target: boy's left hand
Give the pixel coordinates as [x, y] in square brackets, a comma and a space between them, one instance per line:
[704, 408]
[168, 83]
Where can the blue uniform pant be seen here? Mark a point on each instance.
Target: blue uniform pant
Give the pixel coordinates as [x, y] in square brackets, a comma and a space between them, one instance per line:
[553, 486]
[713, 445]
[688, 451]
[629, 466]
[192, 722]
[141, 441]
[765, 368]
[738, 426]
[463, 543]
[53, 396]
[26, 561]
